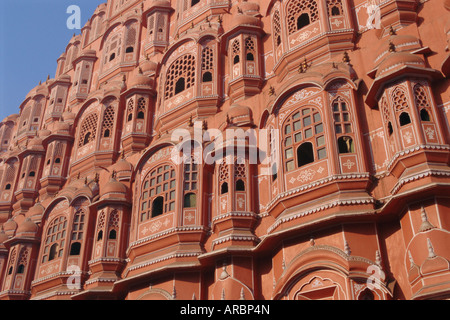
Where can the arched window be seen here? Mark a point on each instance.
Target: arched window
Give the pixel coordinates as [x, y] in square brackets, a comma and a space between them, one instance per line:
[112, 235]
[53, 252]
[88, 129]
[390, 129]
[159, 183]
[194, 2]
[345, 145]
[224, 188]
[190, 200]
[305, 154]
[404, 119]
[77, 228]
[129, 50]
[55, 239]
[20, 269]
[334, 7]
[100, 235]
[207, 77]
[240, 185]
[300, 14]
[303, 21]
[180, 76]
[180, 86]
[75, 249]
[8, 186]
[157, 207]
[303, 133]
[424, 115]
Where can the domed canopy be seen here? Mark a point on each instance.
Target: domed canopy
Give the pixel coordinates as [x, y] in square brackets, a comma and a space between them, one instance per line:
[62, 127]
[27, 226]
[149, 66]
[10, 226]
[114, 189]
[249, 8]
[400, 43]
[138, 79]
[240, 115]
[397, 60]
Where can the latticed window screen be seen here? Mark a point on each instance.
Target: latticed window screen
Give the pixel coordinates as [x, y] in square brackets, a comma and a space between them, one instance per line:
[420, 96]
[142, 104]
[12, 260]
[158, 192]
[23, 260]
[304, 126]
[277, 28]
[78, 225]
[298, 7]
[236, 51]
[191, 175]
[130, 38]
[207, 64]
[88, 130]
[341, 115]
[130, 109]
[180, 75]
[108, 122]
[334, 7]
[399, 100]
[250, 49]
[114, 219]
[55, 239]
[422, 102]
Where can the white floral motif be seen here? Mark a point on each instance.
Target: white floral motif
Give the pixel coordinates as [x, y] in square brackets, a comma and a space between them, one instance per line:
[306, 175]
[407, 137]
[349, 164]
[430, 133]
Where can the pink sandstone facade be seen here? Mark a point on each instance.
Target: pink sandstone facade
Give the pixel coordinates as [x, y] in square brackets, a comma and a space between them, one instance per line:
[93, 205]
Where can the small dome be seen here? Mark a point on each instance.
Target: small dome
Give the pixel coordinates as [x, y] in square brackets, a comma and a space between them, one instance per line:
[149, 66]
[10, 226]
[249, 8]
[123, 168]
[44, 133]
[160, 3]
[35, 144]
[88, 53]
[62, 127]
[114, 187]
[239, 114]
[27, 226]
[397, 60]
[246, 20]
[138, 79]
[400, 42]
[36, 210]
[68, 116]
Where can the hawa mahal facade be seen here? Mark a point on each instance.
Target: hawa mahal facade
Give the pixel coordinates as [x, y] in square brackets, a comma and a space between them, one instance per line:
[357, 206]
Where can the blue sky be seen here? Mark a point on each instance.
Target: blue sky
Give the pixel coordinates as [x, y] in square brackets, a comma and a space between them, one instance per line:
[33, 34]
